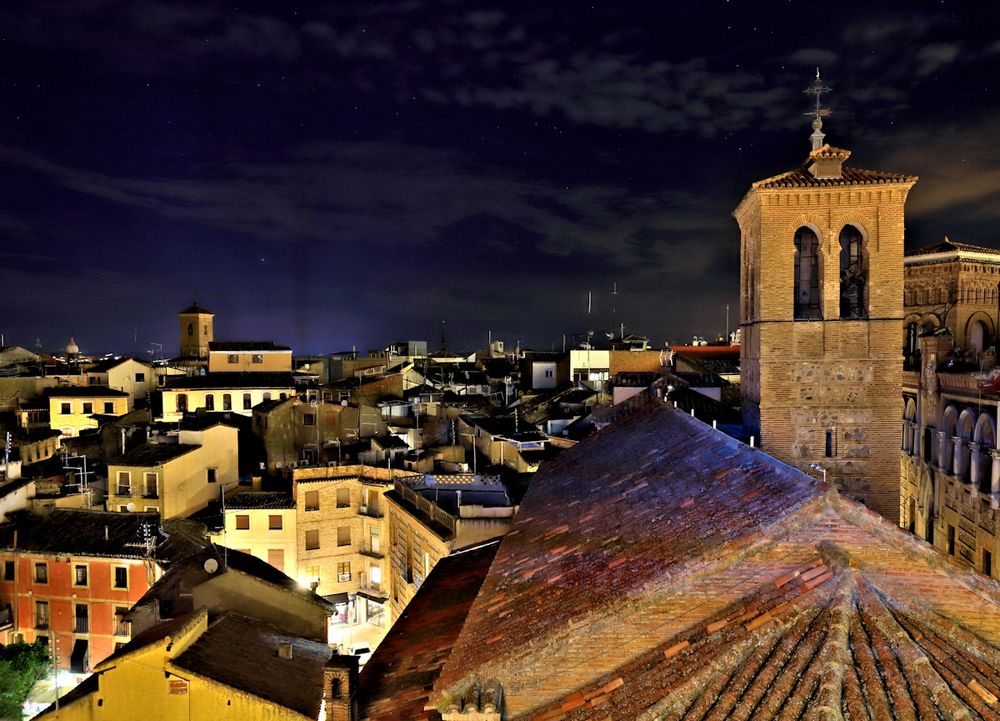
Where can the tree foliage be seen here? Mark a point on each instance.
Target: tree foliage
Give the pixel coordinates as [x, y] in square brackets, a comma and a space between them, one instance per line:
[22, 665]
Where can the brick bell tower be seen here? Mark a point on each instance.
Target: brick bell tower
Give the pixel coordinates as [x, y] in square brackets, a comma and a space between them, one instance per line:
[821, 308]
[196, 330]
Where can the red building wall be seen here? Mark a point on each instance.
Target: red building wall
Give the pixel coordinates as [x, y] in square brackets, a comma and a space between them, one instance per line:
[62, 595]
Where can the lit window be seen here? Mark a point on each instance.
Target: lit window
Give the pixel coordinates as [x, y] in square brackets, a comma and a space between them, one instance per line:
[343, 535]
[312, 500]
[227, 402]
[247, 403]
[209, 402]
[41, 573]
[233, 359]
[257, 358]
[79, 575]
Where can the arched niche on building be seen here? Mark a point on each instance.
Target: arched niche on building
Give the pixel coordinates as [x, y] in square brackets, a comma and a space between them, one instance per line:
[807, 302]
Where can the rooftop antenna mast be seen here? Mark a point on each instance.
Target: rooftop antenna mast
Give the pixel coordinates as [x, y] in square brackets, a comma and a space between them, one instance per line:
[817, 89]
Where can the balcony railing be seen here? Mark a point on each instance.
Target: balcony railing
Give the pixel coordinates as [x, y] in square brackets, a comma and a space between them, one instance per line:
[123, 490]
[368, 549]
[370, 510]
[42, 624]
[81, 625]
[375, 588]
[123, 628]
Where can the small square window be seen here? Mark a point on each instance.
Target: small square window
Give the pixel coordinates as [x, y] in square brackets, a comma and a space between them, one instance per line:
[41, 573]
[121, 577]
[308, 419]
[211, 475]
[140, 377]
[274, 523]
[243, 523]
[257, 358]
[88, 407]
[80, 575]
[109, 407]
[312, 540]
[233, 358]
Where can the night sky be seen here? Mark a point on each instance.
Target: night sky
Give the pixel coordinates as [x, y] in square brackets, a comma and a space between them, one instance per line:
[338, 174]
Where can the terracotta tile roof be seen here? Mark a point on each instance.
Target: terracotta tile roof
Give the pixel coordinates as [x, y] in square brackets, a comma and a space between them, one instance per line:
[661, 570]
[245, 345]
[243, 653]
[396, 682]
[231, 380]
[195, 308]
[260, 499]
[802, 178]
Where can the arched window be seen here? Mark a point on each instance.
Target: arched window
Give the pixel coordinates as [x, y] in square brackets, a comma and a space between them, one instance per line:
[209, 402]
[807, 304]
[853, 274]
[182, 402]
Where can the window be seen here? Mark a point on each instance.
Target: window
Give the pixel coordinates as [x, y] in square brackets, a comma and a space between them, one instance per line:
[121, 577]
[312, 500]
[211, 475]
[88, 407]
[140, 377]
[312, 572]
[309, 419]
[853, 274]
[247, 403]
[951, 540]
[274, 523]
[257, 358]
[987, 563]
[124, 483]
[343, 535]
[374, 540]
[80, 575]
[344, 571]
[41, 573]
[151, 486]
[276, 557]
[122, 626]
[66, 408]
[233, 358]
[343, 498]
[227, 401]
[549, 373]
[243, 523]
[312, 540]
[829, 444]
[182, 403]
[41, 614]
[376, 577]
[209, 402]
[8, 570]
[807, 303]
[109, 407]
[190, 328]
[81, 617]
[267, 396]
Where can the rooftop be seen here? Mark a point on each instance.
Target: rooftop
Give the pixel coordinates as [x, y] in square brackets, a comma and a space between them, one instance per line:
[661, 569]
[195, 308]
[950, 246]
[259, 499]
[243, 654]
[153, 454]
[82, 533]
[222, 346]
[396, 682]
[85, 392]
[232, 380]
[802, 178]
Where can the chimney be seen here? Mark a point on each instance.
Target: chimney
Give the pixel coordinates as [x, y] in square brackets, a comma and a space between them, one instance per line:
[285, 650]
[826, 163]
[340, 686]
[255, 482]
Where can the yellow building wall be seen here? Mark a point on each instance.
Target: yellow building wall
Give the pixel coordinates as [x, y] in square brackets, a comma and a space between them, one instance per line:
[270, 361]
[70, 424]
[414, 545]
[183, 481]
[260, 540]
[197, 398]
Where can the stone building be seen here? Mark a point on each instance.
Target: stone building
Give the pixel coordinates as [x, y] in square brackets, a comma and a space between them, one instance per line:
[950, 471]
[821, 316]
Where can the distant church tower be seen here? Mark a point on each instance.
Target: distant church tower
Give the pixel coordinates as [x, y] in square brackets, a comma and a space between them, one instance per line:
[821, 308]
[196, 331]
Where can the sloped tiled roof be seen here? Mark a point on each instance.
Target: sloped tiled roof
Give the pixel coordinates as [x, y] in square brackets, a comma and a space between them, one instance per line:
[246, 345]
[82, 532]
[397, 680]
[661, 570]
[232, 380]
[259, 499]
[949, 246]
[85, 391]
[802, 178]
[243, 653]
[195, 308]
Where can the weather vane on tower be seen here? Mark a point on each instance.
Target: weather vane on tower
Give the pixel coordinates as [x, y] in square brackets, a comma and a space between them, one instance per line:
[818, 89]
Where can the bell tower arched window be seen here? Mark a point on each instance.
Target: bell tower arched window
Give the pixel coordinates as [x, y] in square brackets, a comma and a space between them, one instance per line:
[807, 298]
[853, 274]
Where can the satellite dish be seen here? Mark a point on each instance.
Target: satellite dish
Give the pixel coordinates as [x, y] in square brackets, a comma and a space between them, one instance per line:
[344, 404]
[130, 507]
[211, 565]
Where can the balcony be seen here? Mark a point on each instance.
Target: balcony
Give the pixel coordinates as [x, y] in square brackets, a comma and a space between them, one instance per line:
[123, 491]
[81, 625]
[123, 628]
[41, 624]
[371, 551]
[371, 511]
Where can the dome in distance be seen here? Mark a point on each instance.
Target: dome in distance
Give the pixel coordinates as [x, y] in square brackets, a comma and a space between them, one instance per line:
[72, 348]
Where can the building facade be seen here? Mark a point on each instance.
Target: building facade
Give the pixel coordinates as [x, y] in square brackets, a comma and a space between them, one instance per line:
[821, 317]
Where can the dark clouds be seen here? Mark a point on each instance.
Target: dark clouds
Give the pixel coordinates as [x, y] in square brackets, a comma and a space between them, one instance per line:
[331, 175]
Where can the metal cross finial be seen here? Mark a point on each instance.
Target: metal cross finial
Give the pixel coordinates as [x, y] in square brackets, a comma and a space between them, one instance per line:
[818, 90]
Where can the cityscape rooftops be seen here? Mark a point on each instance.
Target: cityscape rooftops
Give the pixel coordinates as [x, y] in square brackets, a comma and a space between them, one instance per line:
[85, 392]
[231, 380]
[82, 533]
[245, 345]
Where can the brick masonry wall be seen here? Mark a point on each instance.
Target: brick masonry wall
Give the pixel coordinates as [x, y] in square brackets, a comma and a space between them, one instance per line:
[802, 379]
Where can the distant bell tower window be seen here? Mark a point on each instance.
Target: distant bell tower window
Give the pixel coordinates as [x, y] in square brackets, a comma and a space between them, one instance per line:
[807, 304]
[190, 328]
[853, 274]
